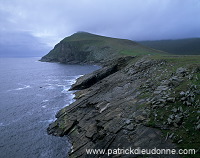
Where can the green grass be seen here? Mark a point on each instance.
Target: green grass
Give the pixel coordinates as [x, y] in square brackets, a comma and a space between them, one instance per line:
[123, 47]
[90, 47]
[189, 46]
[180, 59]
[120, 46]
[176, 61]
[138, 52]
[186, 131]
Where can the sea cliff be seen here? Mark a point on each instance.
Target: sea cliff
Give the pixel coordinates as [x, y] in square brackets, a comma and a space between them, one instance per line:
[146, 101]
[83, 47]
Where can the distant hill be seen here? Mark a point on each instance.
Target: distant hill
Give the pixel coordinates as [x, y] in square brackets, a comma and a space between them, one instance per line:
[190, 46]
[83, 47]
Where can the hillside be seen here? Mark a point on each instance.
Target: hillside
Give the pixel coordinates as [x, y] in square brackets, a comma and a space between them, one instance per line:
[139, 102]
[190, 46]
[135, 100]
[84, 47]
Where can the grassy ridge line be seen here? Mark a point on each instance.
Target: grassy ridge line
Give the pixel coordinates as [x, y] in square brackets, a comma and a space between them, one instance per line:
[169, 112]
[86, 48]
[190, 46]
[122, 46]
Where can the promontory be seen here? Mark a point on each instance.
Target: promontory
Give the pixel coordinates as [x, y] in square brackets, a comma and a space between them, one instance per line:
[140, 98]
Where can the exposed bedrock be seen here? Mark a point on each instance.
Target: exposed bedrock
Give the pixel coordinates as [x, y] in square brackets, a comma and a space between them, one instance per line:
[109, 112]
[108, 69]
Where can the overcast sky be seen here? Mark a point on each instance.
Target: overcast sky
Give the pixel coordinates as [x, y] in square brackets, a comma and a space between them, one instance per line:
[46, 22]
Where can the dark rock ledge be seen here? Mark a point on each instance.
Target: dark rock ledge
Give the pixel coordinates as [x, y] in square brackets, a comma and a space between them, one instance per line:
[109, 112]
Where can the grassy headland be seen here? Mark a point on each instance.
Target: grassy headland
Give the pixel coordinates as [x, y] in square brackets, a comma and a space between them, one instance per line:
[151, 99]
[84, 47]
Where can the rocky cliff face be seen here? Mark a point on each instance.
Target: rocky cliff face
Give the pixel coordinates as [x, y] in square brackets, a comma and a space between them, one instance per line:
[149, 101]
[89, 48]
[127, 104]
[77, 52]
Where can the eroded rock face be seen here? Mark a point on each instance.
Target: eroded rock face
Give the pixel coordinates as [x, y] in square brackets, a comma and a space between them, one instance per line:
[76, 52]
[109, 114]
[83, 47]
[90, 79]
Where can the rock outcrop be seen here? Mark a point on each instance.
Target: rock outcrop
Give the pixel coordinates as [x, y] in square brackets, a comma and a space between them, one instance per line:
[110, 113]
[132, 101]
[89, 48]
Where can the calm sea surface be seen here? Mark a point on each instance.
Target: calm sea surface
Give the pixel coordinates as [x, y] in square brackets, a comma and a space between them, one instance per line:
[31, 92]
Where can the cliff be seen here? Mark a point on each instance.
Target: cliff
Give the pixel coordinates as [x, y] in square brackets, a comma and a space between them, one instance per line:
[145, 101]
[89, 48]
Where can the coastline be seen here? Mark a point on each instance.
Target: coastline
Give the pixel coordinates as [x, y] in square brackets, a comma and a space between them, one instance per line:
[111, 110]
[140, 97]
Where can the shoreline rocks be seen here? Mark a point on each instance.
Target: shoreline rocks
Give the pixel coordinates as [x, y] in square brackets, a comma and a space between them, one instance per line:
[110, 113]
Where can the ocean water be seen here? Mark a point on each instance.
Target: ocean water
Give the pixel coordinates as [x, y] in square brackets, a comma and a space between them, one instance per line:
[31, 92]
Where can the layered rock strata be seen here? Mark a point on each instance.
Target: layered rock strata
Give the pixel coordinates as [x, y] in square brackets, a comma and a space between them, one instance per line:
[109, 112]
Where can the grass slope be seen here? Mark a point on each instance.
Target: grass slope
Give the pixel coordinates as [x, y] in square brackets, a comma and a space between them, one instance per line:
[186, 135]
[190, 46]
[121, 46]
[90, 47]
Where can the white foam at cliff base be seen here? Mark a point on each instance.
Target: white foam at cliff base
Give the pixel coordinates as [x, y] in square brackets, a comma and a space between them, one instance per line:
[48, 121]
[65, 89]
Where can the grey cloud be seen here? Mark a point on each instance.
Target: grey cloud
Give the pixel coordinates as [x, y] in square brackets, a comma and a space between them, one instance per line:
[50, 20]
[21, 44]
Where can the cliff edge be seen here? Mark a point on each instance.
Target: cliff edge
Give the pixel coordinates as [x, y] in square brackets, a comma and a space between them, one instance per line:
[145, 101]
[83, 47]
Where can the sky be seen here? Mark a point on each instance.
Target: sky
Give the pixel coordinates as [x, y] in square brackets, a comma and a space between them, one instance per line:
[35, 26]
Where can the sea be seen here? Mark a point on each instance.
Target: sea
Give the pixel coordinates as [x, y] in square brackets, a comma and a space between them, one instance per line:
[31, 93]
